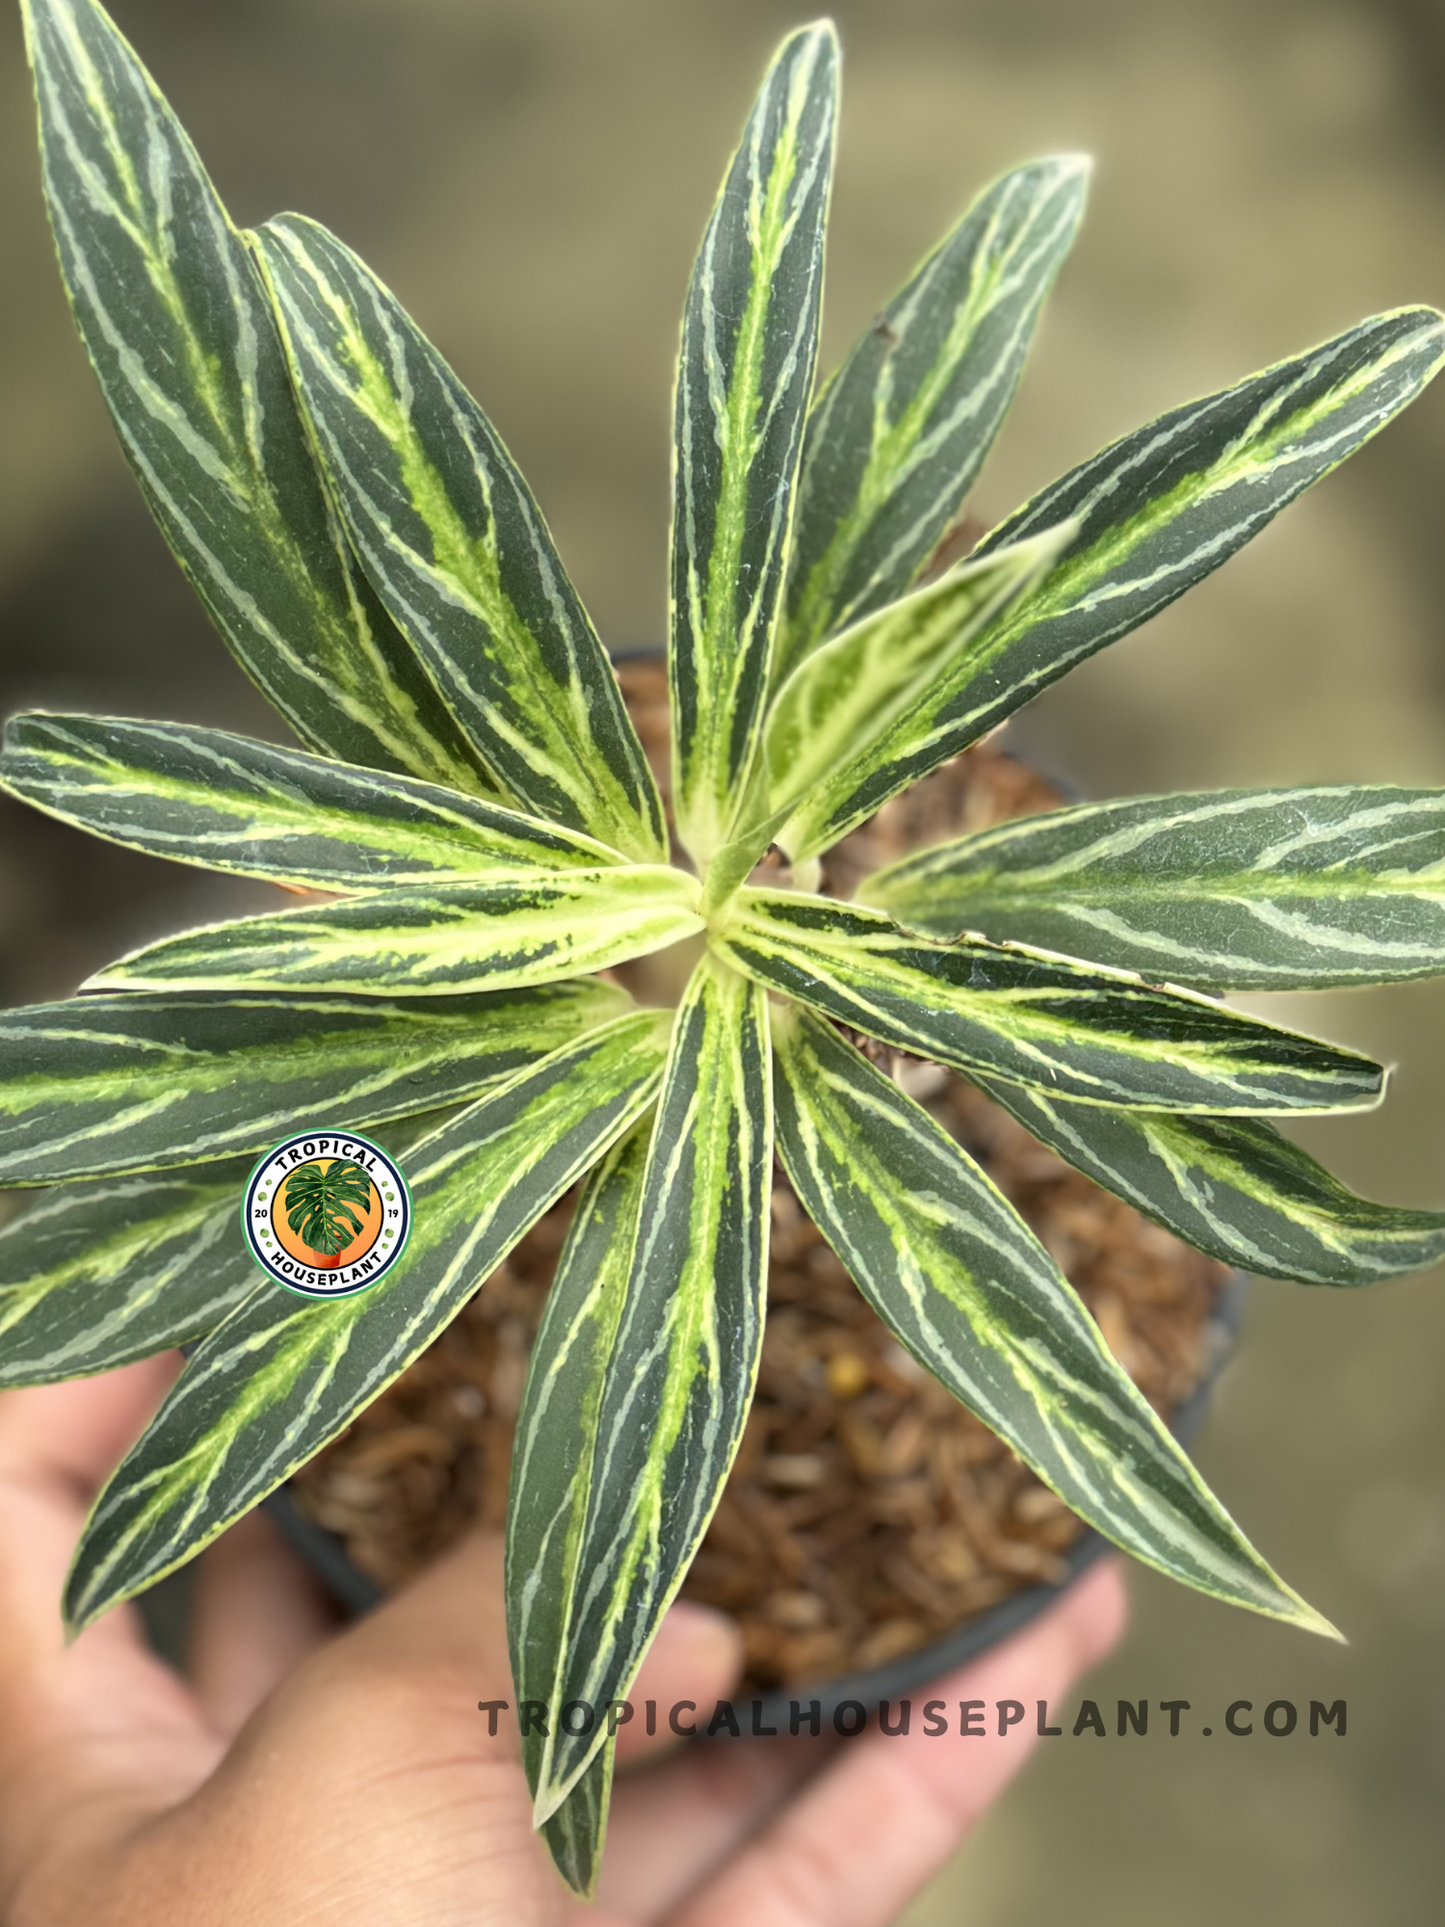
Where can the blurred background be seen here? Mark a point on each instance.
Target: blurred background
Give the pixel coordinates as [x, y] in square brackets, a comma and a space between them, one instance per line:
[532, 176]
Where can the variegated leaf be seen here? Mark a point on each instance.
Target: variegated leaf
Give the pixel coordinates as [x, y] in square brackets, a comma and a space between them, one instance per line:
[283, 1374]
[953, 1271]
[897, 437]
[179, 330]
[492, 933]
[1162, 507]
[230, 803]
[1031, 1018]
[1232, 889]
[456, 547]
[576, 1833]
[823, 732]
[95, 1275]
[553, 1461]
[112, 1084]
[678, 1376]
[1233, 1187]
[749, 344]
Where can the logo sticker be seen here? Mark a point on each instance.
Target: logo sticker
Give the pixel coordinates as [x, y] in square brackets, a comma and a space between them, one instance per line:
[326, 1214]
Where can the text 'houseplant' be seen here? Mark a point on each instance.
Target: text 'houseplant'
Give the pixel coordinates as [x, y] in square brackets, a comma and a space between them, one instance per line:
[474, 802]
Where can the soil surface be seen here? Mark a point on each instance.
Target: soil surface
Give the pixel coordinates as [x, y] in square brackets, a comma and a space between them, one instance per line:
[868, 1512]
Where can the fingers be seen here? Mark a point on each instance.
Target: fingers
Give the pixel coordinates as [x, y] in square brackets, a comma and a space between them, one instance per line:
[74, 1434]
[57, 1445]
[256, 1612]
[103, 1722]
[855, 1844]
[674, 1821]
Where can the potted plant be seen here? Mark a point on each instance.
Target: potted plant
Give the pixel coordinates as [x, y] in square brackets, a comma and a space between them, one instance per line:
[475, 807]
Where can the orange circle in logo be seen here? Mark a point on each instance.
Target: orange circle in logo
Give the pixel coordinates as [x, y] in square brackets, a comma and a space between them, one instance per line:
[289, 1240]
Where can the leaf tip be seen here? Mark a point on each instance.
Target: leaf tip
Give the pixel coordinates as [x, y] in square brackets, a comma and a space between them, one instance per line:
[549, 1798]
[1309, 1621]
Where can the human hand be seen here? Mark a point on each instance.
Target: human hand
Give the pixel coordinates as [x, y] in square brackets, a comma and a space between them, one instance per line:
[304, 1777]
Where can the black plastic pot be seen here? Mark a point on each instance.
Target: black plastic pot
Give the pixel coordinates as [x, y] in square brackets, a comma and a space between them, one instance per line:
[327, 1556]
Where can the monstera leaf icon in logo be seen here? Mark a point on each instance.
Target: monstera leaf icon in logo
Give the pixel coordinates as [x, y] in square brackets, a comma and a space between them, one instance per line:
[321, 1205]
[327, 1214]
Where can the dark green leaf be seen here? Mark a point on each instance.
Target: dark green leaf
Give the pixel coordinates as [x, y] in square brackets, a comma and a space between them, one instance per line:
[950, 1267]
[456, 547]
[110, 1084]
[1162, 507]
[516, 928]
[660, 1382]
[95, 1275]
[283, 1374]
[749, 342]
[228, 803]
[1235, 1188]
[1031, 1018]
[180, 333]
[900, 432]
[1230, 889]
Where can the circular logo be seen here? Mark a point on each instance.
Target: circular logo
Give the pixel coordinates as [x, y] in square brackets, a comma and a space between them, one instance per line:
[326, 1214]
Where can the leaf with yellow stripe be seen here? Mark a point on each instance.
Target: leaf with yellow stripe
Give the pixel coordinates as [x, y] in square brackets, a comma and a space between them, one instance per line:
[179, 330]
[513, 929]
[576, 1833]
[100, 1085]
[1031, 1018]
[749, 344]
[1159, 509]
[898, 435]
[1234, 1187]
[95, 1275]
[230, 803]
[832, 733]
[456, 547]
[283, 1374]
[553, 1465]
[1228, 889]
[660, 1382]
[953, 1271]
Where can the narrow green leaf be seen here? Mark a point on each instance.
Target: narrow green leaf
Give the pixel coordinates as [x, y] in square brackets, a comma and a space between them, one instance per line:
[456, 547]
[1162, 507]
[95, 1275]
[496, 933]
[112, 1084]
[229, 803]
[1031, 1018]
[954, 1272]
[576, 1833]
[553, 1460]
[676, 1379]
[1233, 1187]
[179, 331]
[749, 345]
[834, 730]
[897, 437]
[284, 1374]
[1229, 889]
